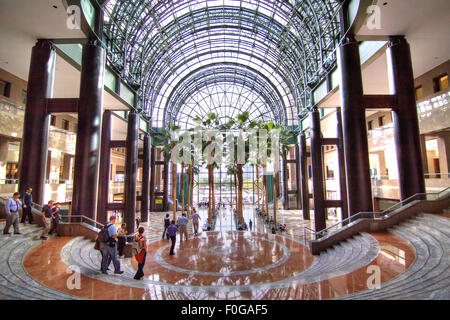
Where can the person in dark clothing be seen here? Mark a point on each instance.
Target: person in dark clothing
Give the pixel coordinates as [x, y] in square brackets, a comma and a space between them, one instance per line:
[172, 232]
[55, 219]
[138, 222]
[166, 225]
[121, 239]
[47, 213]
[27, 204]
[109, 250]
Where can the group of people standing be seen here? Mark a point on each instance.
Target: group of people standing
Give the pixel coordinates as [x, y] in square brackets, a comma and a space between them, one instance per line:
[171, 228]
[111, 243]
[50, 214]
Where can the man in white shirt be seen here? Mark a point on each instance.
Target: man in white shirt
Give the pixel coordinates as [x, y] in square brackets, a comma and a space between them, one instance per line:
[12, 213]
[195, 221]
[182, 224]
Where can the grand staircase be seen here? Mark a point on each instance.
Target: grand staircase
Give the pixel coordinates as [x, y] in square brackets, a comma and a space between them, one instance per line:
[15, 283]
[428, 277]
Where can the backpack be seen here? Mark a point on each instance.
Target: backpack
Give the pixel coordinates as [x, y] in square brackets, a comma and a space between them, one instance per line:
[103, 235]
[136, 248]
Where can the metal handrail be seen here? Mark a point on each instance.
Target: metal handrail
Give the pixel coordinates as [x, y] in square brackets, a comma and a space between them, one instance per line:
[82, 217]
[379, 215]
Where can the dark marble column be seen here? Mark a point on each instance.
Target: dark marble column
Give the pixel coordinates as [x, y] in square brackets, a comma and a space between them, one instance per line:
[131, 167]
[423, 150]
[298, 181]
[166, 184]
[145, 201]
[405, 119]
[152, 177]
[304, 177]
[36, 123]
[105, 167]
[356, 148]
[285, 183]
[317, 172]
[341, 161]
[85, 184]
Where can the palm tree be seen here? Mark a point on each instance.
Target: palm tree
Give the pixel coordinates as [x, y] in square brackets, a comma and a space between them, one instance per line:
[182, 187]
[169, 144]
[257, 183]
[210, 122]
[191, 171]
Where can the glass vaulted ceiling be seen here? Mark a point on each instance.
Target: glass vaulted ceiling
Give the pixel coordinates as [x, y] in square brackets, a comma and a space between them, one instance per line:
[191, 57]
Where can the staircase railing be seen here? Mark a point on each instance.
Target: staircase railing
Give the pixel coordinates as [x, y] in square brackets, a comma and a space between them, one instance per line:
[81, 219]
[310, 234]
[65, 218]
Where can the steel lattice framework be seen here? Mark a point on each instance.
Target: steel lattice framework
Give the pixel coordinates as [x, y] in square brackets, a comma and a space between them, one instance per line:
[191, 57]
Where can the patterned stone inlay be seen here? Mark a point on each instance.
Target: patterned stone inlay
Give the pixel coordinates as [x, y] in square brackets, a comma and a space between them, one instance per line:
[223, 251]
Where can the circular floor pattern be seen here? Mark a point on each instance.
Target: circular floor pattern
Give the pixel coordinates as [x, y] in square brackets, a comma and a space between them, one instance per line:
[298, 270]
[228, 254]
[221, 251]
[302, 275]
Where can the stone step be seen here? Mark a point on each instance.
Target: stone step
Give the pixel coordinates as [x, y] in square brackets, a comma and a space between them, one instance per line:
[17, 284]
[19, 272]
[14, 283]
[429, 275]
[417, 280]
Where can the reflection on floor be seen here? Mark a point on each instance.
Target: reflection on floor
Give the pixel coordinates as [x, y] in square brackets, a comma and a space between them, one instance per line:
[227, 264]
[226, 222]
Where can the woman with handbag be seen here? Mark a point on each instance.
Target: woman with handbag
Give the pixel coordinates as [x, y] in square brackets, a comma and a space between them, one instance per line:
[140, 253]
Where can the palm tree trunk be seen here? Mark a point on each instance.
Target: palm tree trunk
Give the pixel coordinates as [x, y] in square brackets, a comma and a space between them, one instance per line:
[189, 206]
[210, 193]
[174, 189]
[266, 193]
[182, 188]
[213, 190]
[240, 189]
[275, 197]
[235, 192]
[257, 183]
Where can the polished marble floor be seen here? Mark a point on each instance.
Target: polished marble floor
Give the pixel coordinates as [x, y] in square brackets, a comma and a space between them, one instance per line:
[225, 264]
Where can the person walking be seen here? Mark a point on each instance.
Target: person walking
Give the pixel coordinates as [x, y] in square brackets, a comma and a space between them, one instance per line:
[121, 240]
[166, 225]
[182, 224]
[172, 232]
[12, 213]
[196, 221]
[55, 219]
[138, 222]
[141, 253]
[27, 205]
[47, 214]
[250, 224]
[108, 248]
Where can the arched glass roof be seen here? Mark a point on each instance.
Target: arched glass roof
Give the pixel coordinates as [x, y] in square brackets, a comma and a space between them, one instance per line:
[259, 55]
